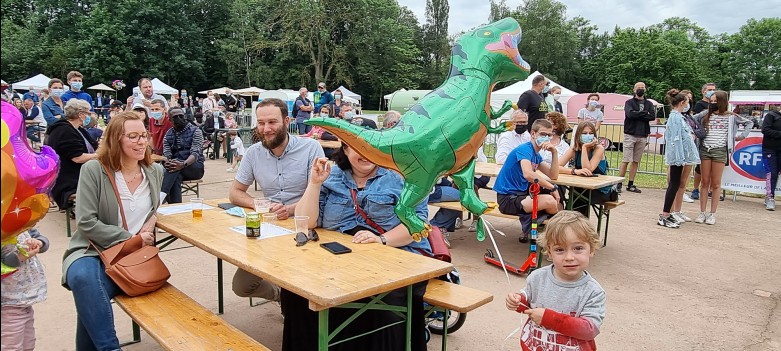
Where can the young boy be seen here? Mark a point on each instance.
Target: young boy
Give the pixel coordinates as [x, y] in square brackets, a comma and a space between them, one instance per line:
[520, 169]
[237, 148]
[565, 305]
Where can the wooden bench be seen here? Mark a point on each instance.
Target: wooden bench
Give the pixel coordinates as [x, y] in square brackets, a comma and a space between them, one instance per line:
[445, 296]
[455, 205]
[603, 210]
[177, 322]
[192, 186]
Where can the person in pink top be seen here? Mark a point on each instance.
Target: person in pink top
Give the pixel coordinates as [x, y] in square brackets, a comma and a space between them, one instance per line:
[318, 132]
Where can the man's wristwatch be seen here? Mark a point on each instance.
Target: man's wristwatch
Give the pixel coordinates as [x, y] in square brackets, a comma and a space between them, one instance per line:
[382, 238]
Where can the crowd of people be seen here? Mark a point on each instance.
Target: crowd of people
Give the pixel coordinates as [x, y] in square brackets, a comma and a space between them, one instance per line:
[119, 188]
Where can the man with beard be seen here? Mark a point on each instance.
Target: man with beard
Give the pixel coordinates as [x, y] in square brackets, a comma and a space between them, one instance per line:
[183, 147]
[280, 163]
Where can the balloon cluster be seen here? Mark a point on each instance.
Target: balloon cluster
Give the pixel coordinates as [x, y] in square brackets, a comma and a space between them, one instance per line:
[27, 177]
[118, 84]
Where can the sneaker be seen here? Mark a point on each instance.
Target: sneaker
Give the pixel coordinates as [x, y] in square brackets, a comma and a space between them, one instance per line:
[445, 236]
[229, 170]
[770, 204]
[695, 195]
[668, 221]
[633, 188]
[473, 226]
[677, 218]
[618, 187]
[700, 218]
[683, 216]
[459, 223]
[524, 238]
[687, 198]
[710, 219]
[721, 197]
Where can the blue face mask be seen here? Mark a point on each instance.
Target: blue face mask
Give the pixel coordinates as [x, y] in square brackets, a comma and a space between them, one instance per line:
[76, 86]
[546, 89]
[57, 92]
[323, 114]
[686, 109]
[708, 94]
[542, 139]
[156, 115]
[586, 138]
[87, 120]
[349, 115]
[593, 103]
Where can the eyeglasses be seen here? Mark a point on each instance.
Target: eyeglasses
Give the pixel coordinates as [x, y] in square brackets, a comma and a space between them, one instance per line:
[135, 137]
[302, 239]
[545, 134]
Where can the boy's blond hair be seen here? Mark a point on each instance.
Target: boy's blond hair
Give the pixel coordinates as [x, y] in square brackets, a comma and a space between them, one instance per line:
[556, 230]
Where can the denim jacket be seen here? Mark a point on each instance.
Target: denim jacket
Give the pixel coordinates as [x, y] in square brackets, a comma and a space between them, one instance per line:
[378, 199]
[680, 150]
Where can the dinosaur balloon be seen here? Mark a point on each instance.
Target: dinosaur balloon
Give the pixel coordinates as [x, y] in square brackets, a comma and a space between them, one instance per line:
[27, 177]
[441, 134]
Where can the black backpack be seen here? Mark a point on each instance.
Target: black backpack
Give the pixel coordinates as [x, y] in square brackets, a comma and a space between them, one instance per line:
[295, 108]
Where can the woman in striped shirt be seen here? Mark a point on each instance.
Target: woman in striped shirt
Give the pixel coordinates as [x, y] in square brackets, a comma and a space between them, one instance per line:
[713, 149]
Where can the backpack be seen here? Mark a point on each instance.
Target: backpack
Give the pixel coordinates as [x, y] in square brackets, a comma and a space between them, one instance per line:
[295, 108]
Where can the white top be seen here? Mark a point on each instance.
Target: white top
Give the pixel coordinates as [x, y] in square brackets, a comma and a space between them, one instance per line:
[238, 146]
[137, 205]
[547, 156]
[591, 116]
[507, 142]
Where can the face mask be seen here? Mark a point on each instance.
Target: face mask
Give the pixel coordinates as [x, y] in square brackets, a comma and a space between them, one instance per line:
[156, 115]
[184, 94]
[546, 89]
[322, 114]
[708, 94]
[640, 92]
[520, 128]
[686, 109]
[586, 138]
[337, 96]
[593, 103]
[87, 120]
[57, 92]
[714, 107]
[349, 115]
[179, 123]
[76, 86]
[542, 139]
[556, 97]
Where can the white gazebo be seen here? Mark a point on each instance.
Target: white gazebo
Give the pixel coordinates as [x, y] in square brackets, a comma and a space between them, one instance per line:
[346, 93]
[220, 91]
[513, 92]
[38, 82]
[251, 91]
[101, 86]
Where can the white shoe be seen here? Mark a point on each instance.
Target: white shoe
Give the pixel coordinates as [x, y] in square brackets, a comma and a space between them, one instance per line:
[710, 219]
[459, 223]
[683, 216]
[770, 204]
[687, 198]
[700, 218]
[677, 218]
[229, 170]
[473, 226]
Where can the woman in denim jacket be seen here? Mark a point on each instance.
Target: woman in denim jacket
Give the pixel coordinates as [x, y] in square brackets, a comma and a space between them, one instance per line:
[329, 203]
[680, 152]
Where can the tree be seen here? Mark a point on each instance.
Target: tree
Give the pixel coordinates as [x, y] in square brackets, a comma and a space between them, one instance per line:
[499, 10]
[754, 59]
[436, 50]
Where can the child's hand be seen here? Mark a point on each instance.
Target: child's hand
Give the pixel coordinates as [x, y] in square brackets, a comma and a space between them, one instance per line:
[33, 244]
[535, 314]
[512, 301]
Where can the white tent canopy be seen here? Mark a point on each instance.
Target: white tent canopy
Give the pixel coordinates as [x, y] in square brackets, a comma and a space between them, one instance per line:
[514, 91]
[161, 88]
[37, 83]
[251, 91]
[388, 96]
[220, 91]
[347, 93]
[101, 86]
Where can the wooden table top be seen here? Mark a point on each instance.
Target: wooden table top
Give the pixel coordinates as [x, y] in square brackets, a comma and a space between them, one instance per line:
[492, 170]
[330, 144]
[325, 279]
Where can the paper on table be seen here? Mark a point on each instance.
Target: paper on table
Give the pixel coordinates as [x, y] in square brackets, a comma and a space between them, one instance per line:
[181, 208]
[267, 230]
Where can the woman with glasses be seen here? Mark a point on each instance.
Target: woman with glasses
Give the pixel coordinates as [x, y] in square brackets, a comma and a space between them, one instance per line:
[117, 198]
[356, 197]
[69, 138]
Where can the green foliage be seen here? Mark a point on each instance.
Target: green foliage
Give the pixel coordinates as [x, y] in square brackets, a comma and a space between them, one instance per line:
[754, 55]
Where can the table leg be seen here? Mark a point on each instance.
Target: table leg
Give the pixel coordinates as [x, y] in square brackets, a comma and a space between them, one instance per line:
[229, 159]
[216, 146]
[444, 330]
[220, 307]
[409, 318]
[322, 335]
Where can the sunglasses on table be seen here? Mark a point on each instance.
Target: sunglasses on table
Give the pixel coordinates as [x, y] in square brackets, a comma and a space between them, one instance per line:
[302, 239]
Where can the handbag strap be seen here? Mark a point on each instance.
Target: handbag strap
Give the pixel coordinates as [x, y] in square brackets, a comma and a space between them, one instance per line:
[361, 213]
[116, 193]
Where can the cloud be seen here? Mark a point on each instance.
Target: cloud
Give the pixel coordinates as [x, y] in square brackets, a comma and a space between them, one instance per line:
[715, 16]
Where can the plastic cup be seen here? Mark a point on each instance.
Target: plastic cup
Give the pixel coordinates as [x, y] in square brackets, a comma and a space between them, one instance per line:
[197, 207]
[262, 205]
[268, 218]
[302, 224]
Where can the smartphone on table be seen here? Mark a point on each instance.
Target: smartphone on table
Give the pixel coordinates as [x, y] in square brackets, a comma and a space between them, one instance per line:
[336, 248]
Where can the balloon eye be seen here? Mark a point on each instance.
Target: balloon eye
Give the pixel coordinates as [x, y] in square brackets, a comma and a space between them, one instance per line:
[487, 33]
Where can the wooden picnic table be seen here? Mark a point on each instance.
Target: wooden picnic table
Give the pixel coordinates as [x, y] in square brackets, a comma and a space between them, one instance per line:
[325, 279]
[330, 144]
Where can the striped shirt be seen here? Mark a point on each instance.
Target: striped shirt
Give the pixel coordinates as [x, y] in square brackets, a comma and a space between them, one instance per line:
[718, 131]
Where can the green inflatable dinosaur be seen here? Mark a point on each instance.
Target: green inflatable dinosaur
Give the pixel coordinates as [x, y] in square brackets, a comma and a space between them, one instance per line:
[441, 134]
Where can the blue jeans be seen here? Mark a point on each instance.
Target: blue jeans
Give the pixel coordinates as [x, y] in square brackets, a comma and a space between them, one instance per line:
[92, 292]
[172, 181]
[445, 218]
[303, 128]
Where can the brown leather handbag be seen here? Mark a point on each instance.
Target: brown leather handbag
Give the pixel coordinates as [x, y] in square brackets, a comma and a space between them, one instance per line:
[137, 269]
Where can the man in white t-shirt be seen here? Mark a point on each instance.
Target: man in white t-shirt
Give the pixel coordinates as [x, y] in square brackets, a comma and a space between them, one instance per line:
[509, 140]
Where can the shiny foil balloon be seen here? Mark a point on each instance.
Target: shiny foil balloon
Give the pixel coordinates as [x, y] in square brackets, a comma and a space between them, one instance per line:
[27, 177]
[441, 134]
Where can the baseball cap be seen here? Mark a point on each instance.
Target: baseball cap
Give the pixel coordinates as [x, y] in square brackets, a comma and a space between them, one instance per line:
[140, 106]
[175, 112]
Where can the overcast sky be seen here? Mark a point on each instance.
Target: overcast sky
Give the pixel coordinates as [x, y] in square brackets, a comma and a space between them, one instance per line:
[716, 16]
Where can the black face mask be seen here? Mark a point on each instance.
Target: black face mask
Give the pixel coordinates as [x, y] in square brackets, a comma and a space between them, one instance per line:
[179, 123]
[713, 107]
[640, 92]
[520, 128]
